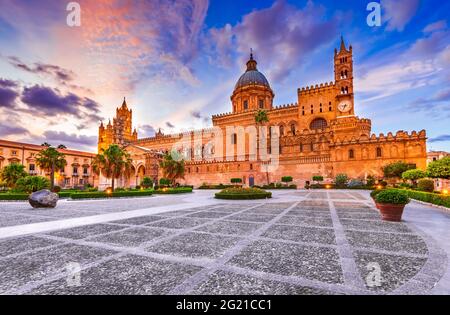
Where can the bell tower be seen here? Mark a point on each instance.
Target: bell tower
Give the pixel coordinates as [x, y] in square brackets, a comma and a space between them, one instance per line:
[343, 76]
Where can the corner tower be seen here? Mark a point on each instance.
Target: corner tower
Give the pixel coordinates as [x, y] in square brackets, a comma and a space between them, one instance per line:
[252, 91]
[343, 76]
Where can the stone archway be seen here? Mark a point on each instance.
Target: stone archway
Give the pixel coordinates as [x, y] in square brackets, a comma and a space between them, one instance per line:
[132, 179]
[140, 174]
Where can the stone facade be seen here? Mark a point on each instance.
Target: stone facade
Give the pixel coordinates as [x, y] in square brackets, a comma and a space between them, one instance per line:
[318, 135]
[77, 173]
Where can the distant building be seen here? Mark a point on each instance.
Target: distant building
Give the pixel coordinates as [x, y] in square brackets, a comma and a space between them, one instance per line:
[439, 184]
[77, 173]
[319, 135]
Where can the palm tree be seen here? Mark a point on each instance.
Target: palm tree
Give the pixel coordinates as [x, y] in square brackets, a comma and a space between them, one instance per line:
[173, 167]
[261, 118]
[112, 163]
[12, 173]
[50, 159]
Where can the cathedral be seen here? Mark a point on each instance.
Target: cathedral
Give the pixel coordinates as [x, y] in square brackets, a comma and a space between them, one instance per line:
[319, 134]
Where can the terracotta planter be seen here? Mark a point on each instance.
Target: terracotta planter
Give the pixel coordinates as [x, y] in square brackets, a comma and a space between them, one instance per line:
[391, 212]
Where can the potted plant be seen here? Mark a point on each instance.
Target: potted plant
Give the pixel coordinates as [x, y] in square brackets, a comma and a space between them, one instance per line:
[374, 194]
[391, 204]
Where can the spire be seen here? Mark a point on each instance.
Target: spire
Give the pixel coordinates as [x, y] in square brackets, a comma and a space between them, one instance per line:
[343, 48]
[251, 64]
[124, 104]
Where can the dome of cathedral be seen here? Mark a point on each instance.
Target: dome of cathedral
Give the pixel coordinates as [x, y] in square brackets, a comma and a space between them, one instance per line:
[252, 76]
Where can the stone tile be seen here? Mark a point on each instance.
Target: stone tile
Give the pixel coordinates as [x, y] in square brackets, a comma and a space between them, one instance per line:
[339, 195]
[317, 195]
[372, 215]
[179, 223]
[141, 220]
[12, 246]
[251, 217]
[127, 275]
[195, 245]
[12, 220]
[18, 271]
[175, 213]
[309, 213]
[208, 215]
[231, 227]
[301, 234]
[228, 283]
[86, 231]
[395, 270]
[131, 237]
[350, 205]
[300, 220]
[383, 226]
[316, 263]
[413, 244]
[267, 210]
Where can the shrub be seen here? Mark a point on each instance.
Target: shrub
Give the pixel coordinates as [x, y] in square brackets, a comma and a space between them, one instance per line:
[31, 184]
[236, 180]
[172, 191]
[116, 194]
[147, 182]
[341, 180]
[243, 194]
[286, 179]
[317, 178]
[12, 173]
[374, 193]
[392, 196]
[404, 185]
[383, 183]
[14, 196]
[164, 182]
[370, 181]
[436, 199]
[120, 189]
[426, 185]
[56, 189]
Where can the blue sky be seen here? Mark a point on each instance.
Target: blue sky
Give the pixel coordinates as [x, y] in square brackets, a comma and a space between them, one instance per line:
[177, 62]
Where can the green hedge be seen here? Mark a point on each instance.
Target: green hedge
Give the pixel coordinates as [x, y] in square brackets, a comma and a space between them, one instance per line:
[243, 194]
[436, 199]
[116, 194]
[10, 196]
[172, 191]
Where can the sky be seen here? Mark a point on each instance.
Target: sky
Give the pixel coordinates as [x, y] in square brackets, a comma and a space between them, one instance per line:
[177, 62]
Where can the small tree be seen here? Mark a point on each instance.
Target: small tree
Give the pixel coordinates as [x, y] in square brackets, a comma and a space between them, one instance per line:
[173, 166]
[440, 168]
[341, 180]
[147, 182]
[12, 173]
[317, 179]
[50, 159]
[112, 163]
[396, 169]
[236, 181]
[414, 175]
[286, 179]
[31, 184]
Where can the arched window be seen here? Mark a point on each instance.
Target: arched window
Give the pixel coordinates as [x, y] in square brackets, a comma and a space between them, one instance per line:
[281, 131]
[261, 103]
[301, 147]
[245, 105]
[351, 154]
[379, 152]
[293, 129]
[318, 124]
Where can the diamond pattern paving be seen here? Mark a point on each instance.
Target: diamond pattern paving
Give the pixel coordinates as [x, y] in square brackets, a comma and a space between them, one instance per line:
[319, 242]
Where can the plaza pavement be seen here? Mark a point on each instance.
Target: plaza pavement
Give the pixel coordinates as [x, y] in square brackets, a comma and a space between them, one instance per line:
[298, 242]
